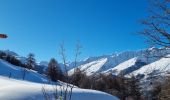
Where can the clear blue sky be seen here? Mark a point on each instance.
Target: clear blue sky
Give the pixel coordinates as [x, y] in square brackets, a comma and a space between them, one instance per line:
[102, 26]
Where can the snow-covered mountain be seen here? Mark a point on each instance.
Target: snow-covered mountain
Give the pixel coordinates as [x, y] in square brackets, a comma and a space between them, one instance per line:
[126, 62]
[159, 67]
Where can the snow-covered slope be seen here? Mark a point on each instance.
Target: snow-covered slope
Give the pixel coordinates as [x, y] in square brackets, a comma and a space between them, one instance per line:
[125, 62]
[122, 66]
[12, 89]
[161, 66]
[9, 70]
[92, 67]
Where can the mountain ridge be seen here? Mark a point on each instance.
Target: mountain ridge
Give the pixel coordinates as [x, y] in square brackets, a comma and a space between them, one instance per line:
[116, 63]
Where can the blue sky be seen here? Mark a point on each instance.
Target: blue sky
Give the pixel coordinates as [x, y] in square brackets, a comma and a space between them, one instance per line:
[101, 26]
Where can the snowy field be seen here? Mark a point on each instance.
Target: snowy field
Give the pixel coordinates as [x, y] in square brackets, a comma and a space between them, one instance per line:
[12, 89]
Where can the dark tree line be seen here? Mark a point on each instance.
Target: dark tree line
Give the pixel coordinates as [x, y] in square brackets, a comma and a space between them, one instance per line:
[11, 59]
[124, 88]
[30, 64]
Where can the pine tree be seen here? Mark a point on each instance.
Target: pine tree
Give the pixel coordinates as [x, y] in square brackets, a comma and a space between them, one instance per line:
[54, 71]
[31, 61]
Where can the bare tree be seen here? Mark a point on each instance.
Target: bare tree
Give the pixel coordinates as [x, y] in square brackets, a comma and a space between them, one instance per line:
[65, 91]
[62, 52]
[63, 56]
[158, 23]
[77, 53]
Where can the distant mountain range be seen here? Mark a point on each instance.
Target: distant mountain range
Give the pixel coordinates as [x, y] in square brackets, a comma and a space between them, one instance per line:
[152, 61]
[142, 63]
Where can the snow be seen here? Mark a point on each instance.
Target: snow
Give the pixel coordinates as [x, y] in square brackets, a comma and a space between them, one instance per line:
[9, 70]
[100, 64]
[43, 63]
[162, 65]
[12, 89]
[128, 61]
[116, 70]
[92, 67]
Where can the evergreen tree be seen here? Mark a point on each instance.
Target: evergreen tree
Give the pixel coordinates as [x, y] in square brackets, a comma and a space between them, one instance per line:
[31, 61]
[54, 71]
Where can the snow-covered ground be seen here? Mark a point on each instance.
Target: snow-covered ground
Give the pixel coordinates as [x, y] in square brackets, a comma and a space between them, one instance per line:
[12, 89]
[9, 70]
